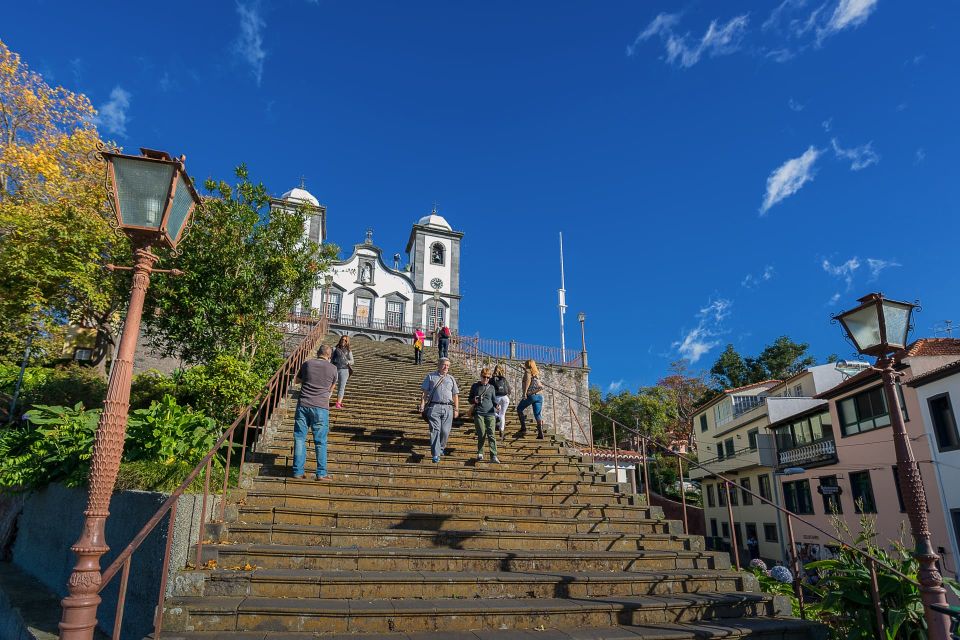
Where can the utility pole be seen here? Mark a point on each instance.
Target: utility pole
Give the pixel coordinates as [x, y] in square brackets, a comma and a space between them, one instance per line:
[563, 303]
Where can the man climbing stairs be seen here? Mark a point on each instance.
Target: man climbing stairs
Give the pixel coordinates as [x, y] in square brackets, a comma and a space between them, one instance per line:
[542, 545]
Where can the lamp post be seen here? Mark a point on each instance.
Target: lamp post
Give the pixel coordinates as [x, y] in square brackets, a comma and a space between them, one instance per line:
[153, 199]
[582, 317]
[879, 327]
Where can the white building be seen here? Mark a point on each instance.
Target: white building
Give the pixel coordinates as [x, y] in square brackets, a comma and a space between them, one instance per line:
[368, 298]
[938, 393]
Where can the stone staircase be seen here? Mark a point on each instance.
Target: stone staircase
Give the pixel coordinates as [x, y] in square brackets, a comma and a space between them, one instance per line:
[544, 543]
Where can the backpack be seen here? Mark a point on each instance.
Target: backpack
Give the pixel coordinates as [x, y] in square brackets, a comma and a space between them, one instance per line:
[445, 332]
[535, 386]
[500, 386]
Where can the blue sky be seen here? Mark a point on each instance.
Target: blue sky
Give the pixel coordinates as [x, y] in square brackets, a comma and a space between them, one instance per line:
[722, 172]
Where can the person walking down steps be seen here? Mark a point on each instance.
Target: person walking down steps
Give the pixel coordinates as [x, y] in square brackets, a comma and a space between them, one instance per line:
[418, 337]
[343, 360]
[532, 397]
[440, 404]
[317, 379]
[483, 399]
[502, 388]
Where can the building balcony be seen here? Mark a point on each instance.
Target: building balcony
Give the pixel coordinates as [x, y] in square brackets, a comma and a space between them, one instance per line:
[741, 406]
[812, 455]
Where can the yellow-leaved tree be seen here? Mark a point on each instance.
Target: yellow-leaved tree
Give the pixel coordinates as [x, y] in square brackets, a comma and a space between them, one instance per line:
[54, 236]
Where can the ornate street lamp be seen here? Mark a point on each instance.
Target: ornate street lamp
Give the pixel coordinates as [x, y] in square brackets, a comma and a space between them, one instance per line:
[879, 327]
[153, 199]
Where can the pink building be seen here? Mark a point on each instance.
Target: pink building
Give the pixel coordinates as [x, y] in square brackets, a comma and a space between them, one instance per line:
[839, 458]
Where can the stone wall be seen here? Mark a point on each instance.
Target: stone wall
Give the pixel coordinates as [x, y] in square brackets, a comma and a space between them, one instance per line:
[566, 397]
[51, 521]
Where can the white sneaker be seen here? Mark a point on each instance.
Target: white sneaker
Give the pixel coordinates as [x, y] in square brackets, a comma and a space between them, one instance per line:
[480, 457]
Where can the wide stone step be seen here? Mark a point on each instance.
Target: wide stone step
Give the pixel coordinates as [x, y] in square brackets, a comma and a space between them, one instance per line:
[447, 477]
[382, 616]
[277, 556]
[760, 628]
[337, 486]
[459, 456]
[379, 585]
[377, 519]
[410, 538]
[444, 505]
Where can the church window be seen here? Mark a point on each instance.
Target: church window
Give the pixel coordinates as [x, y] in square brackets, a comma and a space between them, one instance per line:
[437, 253]
[434, 317]
[333, 305]
[394, 314]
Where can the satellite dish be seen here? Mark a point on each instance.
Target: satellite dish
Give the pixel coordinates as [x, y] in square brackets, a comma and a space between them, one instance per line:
[851, 367]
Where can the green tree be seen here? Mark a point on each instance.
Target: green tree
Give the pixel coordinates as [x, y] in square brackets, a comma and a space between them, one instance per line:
[730, 370]
[778, 361]
[651, 406]
[245, 267]
[687, 390]
[54, 234]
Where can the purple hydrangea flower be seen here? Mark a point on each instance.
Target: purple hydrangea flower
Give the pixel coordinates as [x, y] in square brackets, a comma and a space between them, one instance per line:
[757, 563]
[781, 574]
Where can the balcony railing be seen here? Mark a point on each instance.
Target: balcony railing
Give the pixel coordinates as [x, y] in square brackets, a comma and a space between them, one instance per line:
[823, 450]
[741, 405]
[353, 322]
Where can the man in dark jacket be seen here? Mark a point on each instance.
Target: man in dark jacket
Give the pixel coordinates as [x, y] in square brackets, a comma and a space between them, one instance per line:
[483, 398]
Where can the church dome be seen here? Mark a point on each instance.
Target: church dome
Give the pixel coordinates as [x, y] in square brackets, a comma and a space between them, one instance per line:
[433, 220]
[300, 195]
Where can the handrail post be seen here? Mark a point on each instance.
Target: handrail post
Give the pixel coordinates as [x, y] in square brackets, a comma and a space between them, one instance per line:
[121, 600]
[733, 530]
[616, 456]
[158, 614]
[646, 471]
[203, 512]
[795, 565]
[226, 477]
[683, 495]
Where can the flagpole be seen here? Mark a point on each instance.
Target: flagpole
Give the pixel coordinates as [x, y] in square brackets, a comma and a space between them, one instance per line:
[563, 303]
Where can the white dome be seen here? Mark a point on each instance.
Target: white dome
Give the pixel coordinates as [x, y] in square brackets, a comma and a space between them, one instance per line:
[301, 195]
[433, 220]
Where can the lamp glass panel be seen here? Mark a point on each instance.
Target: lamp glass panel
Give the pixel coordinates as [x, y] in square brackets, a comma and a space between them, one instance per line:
[182, 200]
[864, 327]
[142, 188]
[897, 317]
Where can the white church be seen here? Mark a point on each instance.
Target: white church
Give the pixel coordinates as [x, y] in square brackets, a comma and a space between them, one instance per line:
[367, 298]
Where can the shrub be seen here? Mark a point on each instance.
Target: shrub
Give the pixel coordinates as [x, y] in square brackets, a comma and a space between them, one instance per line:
[168, 433]
[222, 388]
[66, 386]
[149, 387]
[53, 446]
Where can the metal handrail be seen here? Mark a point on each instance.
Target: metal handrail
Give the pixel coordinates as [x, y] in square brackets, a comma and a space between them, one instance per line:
[728, 483]
[261, 410]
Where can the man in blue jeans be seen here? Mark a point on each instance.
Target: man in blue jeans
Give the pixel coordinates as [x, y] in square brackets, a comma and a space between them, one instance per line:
[317, 378]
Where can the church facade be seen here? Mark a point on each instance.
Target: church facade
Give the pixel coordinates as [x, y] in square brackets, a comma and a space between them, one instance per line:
[364, 296]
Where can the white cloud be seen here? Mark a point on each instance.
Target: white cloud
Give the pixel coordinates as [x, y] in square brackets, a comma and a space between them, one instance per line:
[719, 39]
[860, 157]
[112, 114]
[844, 271]
[794, 105]
[834, 299]
[827, 124]
[877, 265]
[615, 386]
[919, 156]
[789, 177]
[777, 16]
[848, 13]
[750, 281]
[700, 340]
[249, 45]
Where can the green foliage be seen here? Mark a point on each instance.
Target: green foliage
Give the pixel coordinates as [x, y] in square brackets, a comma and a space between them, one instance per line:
[149, 387]
[778, 361]
[169, 433]
[66, 386]
[246, 266]
[653, 406]
[221, 388]
[55, 446]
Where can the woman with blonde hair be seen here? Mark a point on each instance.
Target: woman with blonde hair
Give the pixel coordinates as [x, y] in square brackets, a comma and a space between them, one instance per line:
[342, 359]
[502, 388]
[532, 390]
